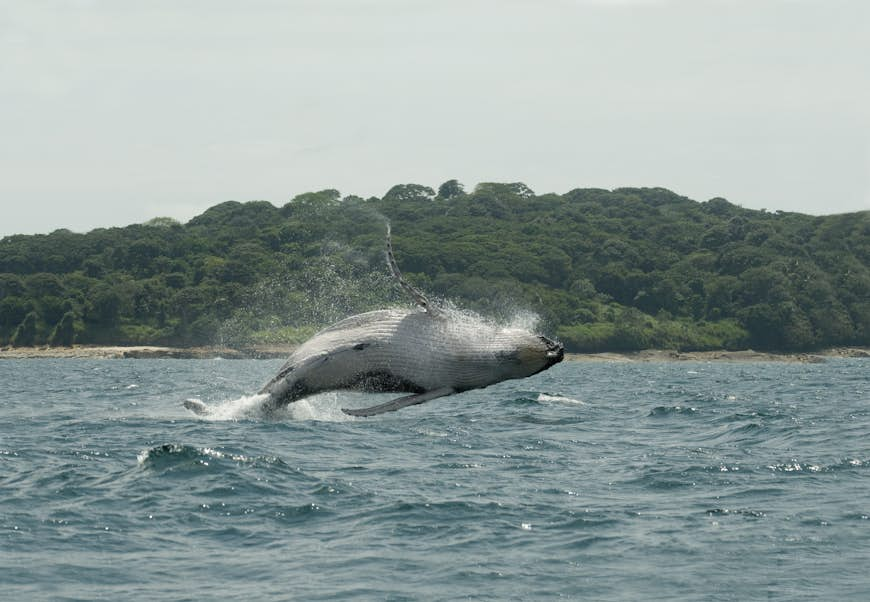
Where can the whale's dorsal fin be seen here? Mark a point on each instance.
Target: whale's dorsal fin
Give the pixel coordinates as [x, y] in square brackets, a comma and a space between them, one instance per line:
[401, 402]
[419, 298]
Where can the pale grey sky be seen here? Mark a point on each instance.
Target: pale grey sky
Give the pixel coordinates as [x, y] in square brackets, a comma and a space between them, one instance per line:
[116, 111]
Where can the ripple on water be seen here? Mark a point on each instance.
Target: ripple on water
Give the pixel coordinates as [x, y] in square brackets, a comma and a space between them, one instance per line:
[169, 456]
[738, 476]
[797, 467]
[749, 513]
[219, 472]
[668, 411]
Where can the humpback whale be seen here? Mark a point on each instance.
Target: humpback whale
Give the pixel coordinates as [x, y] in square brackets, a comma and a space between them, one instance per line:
[426, 352]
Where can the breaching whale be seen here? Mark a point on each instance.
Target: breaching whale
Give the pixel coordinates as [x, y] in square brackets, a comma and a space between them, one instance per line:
[426, 352]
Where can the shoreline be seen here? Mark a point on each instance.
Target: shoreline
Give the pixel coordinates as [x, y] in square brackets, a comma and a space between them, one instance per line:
[746, 355]
[112, 352]
[283, 351]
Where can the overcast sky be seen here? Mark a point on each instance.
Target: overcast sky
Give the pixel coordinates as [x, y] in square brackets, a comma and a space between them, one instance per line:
[113, 112]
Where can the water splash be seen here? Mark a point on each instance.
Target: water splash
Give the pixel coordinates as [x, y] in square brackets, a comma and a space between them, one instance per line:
[523, 319]
[325, 407]
[473, 322]
[326, 290]
[345, 279]
[246, 407]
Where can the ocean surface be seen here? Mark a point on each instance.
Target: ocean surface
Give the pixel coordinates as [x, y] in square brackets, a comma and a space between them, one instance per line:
[594, 481]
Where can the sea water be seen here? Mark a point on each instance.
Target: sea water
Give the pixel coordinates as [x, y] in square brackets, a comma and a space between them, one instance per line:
[599, 481]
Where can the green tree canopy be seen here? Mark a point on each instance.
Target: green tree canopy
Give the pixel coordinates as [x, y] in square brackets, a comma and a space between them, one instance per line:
[619, 269]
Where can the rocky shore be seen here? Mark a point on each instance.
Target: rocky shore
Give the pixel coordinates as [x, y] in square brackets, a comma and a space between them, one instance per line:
[144, 352]
[747, 355]
[281, 351]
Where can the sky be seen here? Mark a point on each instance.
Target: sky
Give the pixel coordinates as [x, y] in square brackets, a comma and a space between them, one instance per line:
[114, 112]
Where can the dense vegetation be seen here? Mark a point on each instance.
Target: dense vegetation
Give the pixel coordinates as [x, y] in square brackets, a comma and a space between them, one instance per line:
[605, 270]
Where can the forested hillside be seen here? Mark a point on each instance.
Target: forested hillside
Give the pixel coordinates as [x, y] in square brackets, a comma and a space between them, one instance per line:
[605, 270]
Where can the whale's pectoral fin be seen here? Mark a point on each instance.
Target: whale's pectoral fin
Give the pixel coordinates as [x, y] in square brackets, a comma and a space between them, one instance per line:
[401, 402]
[417, 295]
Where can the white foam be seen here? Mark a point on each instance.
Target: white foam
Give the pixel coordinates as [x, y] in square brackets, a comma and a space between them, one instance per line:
[245, 407]
[325, 407]
[544, 398]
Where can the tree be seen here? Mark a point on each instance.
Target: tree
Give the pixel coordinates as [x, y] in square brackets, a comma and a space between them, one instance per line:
[42, 284]
[12, 312]
[103, 307]
[450, 189]
[404, 193]
[697, 274]
[25, 334]
[327, 197]
[720, 206]
[162, 222]
[10, 285]
[517, 189]
[63, 334]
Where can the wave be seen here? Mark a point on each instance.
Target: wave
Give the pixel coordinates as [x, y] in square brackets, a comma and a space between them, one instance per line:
[842, 465]
[171, 456]
[673, 411]
[736, 512]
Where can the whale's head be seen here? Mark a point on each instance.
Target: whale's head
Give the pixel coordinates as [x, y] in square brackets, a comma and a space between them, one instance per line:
[530, 353]
[539, 353]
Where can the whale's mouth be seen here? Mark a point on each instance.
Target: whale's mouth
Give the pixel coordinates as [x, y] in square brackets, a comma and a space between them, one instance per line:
[555, 350]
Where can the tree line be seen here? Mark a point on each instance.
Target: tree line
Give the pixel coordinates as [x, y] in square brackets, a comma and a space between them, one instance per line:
[626, 269]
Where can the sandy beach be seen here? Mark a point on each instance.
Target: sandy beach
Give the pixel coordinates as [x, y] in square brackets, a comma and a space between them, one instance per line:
[280, 351]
